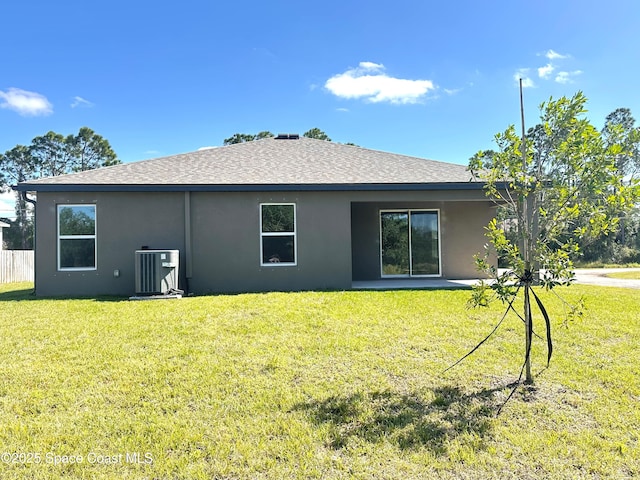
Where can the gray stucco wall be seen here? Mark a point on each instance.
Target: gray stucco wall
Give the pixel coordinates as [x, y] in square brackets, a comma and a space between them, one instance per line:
[124, 223]
[224, 240]
[226, 246]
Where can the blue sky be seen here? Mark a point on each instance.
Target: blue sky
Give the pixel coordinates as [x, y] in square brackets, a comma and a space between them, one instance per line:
[429, 79]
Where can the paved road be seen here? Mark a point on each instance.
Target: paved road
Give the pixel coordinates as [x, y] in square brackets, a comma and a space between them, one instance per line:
[597, 276]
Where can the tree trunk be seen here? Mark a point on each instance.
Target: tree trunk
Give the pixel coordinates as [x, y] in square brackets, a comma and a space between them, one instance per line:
[527, 225]
[528, 332]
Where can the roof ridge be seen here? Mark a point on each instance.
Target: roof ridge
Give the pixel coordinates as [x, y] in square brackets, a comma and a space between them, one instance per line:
[273, 162]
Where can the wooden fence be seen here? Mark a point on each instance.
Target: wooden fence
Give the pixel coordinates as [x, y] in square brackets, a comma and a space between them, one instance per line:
[16, 266]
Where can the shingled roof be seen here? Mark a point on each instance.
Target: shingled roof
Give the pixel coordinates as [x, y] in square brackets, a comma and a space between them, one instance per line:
[273, 164]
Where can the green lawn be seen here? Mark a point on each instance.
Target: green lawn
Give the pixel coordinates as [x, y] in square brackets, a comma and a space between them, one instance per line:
[314, 385]
[633, 275]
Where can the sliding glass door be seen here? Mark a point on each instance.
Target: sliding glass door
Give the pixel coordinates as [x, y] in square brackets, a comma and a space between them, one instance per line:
[394, 232]
[410, 243]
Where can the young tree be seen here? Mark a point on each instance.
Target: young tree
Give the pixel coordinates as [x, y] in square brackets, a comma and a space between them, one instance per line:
[560, 186]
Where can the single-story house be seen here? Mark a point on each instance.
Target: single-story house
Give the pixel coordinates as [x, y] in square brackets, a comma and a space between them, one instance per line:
[284, 213]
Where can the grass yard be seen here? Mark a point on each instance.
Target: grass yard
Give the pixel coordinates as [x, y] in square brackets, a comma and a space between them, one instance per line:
[334, 385]
[632, 275]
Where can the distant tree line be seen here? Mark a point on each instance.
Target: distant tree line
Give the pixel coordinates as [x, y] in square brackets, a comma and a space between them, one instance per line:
[315, 133]
[620, 137]
[48, 155]
[247, 137]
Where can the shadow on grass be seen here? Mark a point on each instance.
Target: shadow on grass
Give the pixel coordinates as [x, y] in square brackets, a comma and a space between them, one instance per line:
[408, 420]
[28, 294]
[16, 295]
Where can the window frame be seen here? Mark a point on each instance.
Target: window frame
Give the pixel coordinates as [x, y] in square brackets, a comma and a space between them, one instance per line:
[93, 237]
[293, 234]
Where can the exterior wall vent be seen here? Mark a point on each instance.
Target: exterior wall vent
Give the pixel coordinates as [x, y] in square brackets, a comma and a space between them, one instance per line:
[288, 136]
[157, 271]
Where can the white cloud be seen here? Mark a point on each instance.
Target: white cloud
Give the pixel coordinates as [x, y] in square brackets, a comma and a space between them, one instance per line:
[544, 72]
[523, 73]
[80, 102]
[342, 109]
[368, 81]
[205, 148]
[567, 77]
[552, 55]
[452, 91]
[25, 103]
[548, 71]
[371, 66]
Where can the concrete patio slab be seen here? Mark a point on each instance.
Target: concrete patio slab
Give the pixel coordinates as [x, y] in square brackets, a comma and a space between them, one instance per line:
[412, 283]
[584, 276]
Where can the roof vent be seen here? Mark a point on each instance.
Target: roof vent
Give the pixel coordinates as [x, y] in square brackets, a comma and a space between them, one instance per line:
[288, 136]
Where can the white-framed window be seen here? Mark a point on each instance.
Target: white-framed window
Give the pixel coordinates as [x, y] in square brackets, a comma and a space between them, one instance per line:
[278, 245]
[77, 246]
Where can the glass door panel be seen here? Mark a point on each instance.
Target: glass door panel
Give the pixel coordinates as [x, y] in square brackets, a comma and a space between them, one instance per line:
[409, 243]
[394, 231]
[425, 255]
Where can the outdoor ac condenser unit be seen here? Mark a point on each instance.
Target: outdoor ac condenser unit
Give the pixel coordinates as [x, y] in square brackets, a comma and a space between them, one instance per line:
[157, 271]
